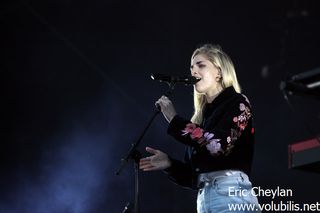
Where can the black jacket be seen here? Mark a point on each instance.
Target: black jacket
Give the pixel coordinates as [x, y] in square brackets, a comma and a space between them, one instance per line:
[224, 140]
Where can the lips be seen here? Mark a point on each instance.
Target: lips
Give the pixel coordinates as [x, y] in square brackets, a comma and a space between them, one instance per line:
[198, 79]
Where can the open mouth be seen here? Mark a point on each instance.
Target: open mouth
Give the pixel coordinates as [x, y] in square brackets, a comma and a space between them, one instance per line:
[198, 79]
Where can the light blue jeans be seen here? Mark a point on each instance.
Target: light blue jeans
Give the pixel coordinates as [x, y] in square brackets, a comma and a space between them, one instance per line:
[231, 193]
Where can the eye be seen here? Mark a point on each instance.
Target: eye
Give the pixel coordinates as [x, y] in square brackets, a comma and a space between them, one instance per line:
[201, 65]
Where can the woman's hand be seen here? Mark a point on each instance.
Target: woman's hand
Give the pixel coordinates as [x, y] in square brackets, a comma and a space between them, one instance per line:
[167, 108]
[158, 161]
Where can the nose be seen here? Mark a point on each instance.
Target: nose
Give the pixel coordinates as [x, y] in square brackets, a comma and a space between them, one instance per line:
[194, 71]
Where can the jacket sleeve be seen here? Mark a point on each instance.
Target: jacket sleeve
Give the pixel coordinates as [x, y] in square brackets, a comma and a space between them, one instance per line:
[218, 139]
[181, 173]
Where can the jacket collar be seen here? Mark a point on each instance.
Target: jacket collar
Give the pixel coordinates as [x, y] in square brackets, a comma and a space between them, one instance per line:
[224, 95]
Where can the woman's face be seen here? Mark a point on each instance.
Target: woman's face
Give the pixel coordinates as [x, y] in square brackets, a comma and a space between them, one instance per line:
[203, 69]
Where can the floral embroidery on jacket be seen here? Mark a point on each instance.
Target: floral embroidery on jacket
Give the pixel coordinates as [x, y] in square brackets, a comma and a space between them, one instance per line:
[241, 122]
[242, 119]
[194, 131]
[212, 144]
[203, 138]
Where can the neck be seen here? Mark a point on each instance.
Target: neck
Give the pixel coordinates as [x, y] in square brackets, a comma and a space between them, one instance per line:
[213, 94]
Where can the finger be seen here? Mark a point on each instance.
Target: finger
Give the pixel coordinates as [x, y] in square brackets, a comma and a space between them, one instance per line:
[159, 104]
[146, 167]
[145, 159]
[151, 169]
[165, 99]
[151, 150]
[161, 99]
[144, 163]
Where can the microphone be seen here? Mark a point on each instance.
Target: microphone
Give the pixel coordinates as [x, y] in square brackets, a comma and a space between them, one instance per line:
[187, 80]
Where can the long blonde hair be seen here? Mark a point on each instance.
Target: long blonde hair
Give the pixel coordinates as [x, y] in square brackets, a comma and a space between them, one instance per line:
[223, 62]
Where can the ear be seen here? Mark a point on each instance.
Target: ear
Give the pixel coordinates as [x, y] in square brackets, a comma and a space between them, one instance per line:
[219, 76]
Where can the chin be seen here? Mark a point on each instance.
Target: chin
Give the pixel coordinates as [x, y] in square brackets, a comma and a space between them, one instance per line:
[199, 90]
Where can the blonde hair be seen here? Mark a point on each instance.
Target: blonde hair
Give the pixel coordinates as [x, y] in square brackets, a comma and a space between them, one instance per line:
[221, 61]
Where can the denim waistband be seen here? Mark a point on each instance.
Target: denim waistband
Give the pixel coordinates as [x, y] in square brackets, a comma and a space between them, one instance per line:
[209, 177]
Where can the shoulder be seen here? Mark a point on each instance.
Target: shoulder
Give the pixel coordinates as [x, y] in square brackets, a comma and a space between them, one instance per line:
[241, 105]
[241, 98]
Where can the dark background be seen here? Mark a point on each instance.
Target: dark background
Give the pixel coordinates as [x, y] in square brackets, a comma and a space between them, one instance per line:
[77, 92]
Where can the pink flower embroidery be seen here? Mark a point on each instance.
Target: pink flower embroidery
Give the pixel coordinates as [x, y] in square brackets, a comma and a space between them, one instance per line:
[241, 122]
[190, 127]
[242, 126]
[243, 118]
[203, 138]
[197, 133]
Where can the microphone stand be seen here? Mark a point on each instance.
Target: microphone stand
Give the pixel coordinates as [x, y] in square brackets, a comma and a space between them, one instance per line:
[135, 155]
